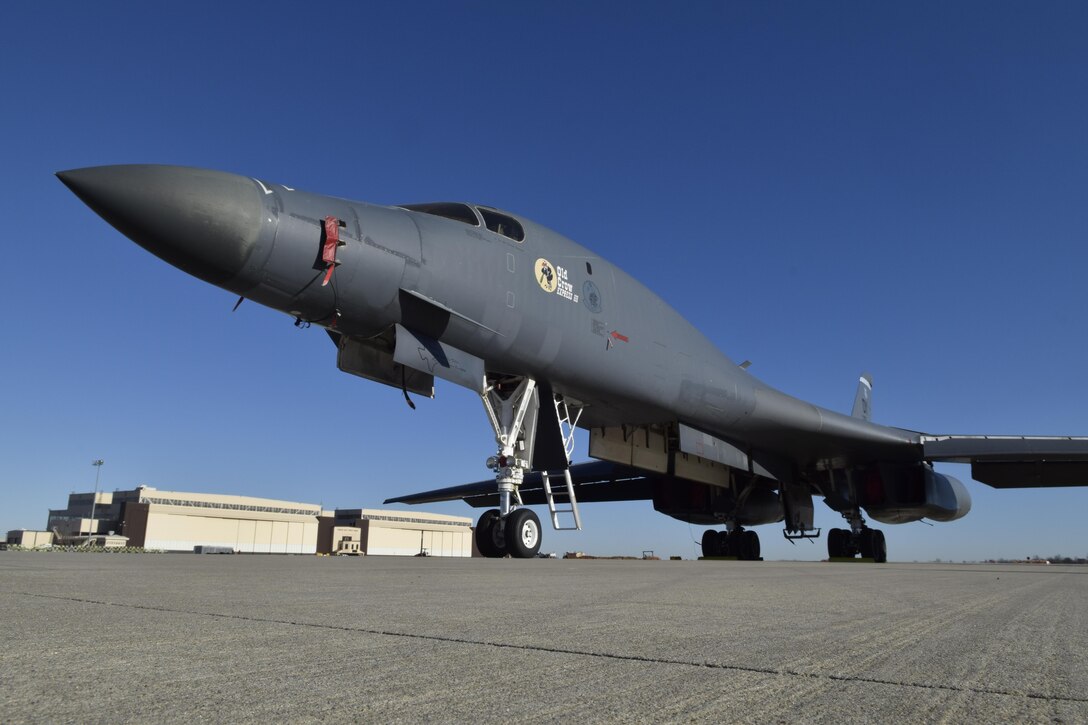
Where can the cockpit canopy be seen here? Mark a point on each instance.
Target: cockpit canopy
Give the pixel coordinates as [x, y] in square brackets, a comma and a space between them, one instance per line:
[495, 220]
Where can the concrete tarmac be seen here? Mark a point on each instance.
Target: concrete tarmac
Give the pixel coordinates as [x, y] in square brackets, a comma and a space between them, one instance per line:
[179, 637]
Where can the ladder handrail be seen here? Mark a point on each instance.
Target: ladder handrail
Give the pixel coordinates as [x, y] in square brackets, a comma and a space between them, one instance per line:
[554, 510]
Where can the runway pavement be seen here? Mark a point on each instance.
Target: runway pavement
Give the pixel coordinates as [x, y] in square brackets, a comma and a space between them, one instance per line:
[177, 637]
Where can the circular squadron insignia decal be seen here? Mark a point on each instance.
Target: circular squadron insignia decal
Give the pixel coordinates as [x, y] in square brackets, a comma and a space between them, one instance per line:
[591, 296]
[553, 279]
[546, 275]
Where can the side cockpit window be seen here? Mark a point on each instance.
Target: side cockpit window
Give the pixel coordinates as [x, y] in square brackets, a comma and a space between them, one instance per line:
[450, 210]
[502, 224]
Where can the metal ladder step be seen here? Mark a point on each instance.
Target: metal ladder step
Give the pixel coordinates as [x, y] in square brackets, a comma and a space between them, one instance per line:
[553, 505]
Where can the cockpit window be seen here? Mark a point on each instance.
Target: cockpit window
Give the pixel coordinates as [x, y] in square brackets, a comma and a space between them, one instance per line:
[450, 210]
[502, 224]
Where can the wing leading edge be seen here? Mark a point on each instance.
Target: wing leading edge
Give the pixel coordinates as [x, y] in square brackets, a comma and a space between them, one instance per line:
[1015, 461]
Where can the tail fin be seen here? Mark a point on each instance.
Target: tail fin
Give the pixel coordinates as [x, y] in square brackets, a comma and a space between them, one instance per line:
[862, 406]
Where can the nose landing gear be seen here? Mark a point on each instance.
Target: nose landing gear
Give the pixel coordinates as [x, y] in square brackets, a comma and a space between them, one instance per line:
[518, 534]
[513, 406]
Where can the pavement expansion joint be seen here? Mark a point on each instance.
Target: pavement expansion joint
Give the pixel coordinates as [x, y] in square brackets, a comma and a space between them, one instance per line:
[576, 652]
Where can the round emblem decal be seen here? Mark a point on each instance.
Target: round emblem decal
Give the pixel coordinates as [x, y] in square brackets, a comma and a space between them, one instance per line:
[545, 275]
[591, 296]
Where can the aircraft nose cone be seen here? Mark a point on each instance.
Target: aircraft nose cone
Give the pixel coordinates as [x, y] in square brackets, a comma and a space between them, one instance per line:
[203, 222]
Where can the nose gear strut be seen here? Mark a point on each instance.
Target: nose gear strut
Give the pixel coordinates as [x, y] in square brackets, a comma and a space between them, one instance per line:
[510, 403]
[514, 409]
[507, 410]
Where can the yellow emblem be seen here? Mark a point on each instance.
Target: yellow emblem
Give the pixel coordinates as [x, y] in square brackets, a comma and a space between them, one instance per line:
[545, 275]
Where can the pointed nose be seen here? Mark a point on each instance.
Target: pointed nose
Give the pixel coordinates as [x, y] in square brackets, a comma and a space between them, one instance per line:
[203, 222]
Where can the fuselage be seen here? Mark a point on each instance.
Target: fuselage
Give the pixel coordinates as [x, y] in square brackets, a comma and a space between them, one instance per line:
[598, 335]
[527, 300]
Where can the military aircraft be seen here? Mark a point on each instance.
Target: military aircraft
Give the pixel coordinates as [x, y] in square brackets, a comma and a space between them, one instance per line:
[553, 337]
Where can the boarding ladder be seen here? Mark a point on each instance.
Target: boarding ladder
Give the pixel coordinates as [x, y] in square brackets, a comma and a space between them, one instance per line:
[567, 424]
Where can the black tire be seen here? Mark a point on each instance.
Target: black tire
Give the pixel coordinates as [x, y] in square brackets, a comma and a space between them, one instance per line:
[751, 540]
[725, 544]
[836, 548]
[522, 533]
[736, 543]
[851, 545]
[865, 543]
[710, 543]
[879, 546]
[489, 538]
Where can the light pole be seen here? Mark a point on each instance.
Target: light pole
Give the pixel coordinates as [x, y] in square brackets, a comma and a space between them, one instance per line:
[97, 463]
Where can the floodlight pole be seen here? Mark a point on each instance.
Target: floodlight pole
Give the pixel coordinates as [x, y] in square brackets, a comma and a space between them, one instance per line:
[97, 463]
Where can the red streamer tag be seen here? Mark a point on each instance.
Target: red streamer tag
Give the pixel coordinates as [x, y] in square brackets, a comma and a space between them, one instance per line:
[328, 250]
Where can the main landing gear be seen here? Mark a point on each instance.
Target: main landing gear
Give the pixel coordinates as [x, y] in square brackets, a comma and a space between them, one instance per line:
[738, 542]
[858, 539]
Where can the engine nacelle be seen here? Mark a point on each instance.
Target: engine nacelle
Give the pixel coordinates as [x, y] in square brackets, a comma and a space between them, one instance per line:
[900, 494]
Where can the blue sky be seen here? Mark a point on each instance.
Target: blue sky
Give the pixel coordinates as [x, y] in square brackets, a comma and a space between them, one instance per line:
[821, 188]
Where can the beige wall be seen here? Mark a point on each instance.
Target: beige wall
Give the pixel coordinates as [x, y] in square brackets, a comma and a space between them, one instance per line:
[389, 532]
[163, 498]
[81, 527]
[389, 541]
[448, 543]
[245, 531]
[30, 539]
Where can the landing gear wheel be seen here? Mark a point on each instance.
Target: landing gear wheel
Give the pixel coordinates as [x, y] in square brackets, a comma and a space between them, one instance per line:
[489, 534]
[837, 543]
[725, 544]
[522, 534]
[710, 543]
[865, 543]
[878, 546]
[751, 545]
[738, 545]
[733, 543]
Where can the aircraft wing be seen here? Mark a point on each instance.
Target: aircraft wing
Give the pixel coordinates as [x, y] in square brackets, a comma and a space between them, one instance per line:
[1015, 461]
[595, 481]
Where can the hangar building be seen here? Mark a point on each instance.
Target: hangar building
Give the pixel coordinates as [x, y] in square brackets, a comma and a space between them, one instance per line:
[179, 521]
[408, 533]
[29, 539]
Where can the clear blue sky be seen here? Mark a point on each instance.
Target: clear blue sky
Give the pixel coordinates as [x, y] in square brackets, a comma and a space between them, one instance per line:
[821, 188]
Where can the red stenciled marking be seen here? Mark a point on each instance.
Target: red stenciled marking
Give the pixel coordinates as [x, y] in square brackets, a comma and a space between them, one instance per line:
[618, 336]
[328, 250]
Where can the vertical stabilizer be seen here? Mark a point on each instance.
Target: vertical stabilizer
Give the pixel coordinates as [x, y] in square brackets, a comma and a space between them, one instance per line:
[862, 401]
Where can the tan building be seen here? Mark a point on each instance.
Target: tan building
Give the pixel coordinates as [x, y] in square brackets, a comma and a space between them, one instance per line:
[30, 539]
[76, 520]
[179, 521]
[338, 540]
[409, 533]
